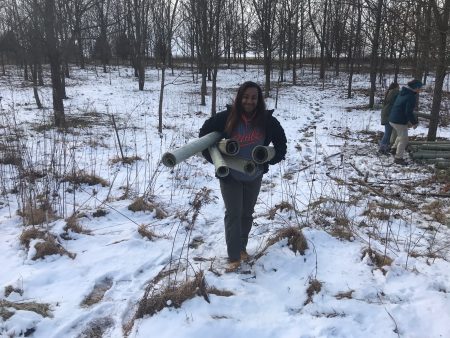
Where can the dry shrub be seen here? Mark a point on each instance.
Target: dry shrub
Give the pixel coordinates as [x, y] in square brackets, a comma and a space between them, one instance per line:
[436, 210]
[314, 287]
[10, 289]
[160, 213]
[11, 158]
[90, 118]
[378, 259]
[31, 175]
[222, 293]
[97, 293]
[5, 314]
[35, 215]
[126, 159]
[28, 235]
[50, 247]
[97, 327]
[281, 206]
[173, 296]
[347, 294]
[42, 309]
[140, 204]
[342, 232]
[73, 225]
[147, 233]
[99, 213]
[82, 177]
[296, 240]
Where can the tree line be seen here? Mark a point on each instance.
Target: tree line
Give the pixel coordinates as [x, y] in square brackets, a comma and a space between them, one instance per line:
[374, 36]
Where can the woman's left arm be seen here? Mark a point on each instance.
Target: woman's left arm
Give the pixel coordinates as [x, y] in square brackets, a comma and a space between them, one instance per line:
[279, 141]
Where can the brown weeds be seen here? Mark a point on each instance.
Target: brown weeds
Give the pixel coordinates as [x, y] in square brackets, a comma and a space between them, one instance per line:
[173, 296]
[314, 287]
[296, 241]
[378, 259]
[50, 247]
[97, 293]
[140, 204]
[40, 308]
[73, 225]
[281, 207]
[147, 233]
[84, 178]
[35, 215]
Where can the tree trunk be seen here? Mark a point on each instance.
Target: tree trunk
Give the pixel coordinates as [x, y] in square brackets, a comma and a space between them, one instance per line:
[214, 91]
[374, 54]
[442, 23]
[35, 85]
[161, 98]
[55, 63]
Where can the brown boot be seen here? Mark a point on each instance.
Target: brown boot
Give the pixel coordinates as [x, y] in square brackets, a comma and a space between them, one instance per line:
[233, 266]
[245, 256]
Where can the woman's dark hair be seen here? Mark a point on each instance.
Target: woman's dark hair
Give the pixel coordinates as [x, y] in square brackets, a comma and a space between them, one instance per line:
[237, 110]
[393, 85]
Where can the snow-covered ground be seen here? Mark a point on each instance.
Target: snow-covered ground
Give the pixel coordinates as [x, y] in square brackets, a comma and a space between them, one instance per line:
[352, 205]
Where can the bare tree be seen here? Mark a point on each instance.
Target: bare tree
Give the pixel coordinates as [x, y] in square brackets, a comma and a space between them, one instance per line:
[163, 15]
[320, 15]
[138, 26]
[376, 10]
[54, 55]
[441, 14]
[353, 41]
[266, 12]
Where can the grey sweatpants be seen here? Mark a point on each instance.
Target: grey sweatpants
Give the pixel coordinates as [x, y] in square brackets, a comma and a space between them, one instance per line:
[240, 199]
[402, 139]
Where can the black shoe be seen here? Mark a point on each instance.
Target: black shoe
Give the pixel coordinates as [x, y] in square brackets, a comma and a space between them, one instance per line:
[383, 152]
[400, 161]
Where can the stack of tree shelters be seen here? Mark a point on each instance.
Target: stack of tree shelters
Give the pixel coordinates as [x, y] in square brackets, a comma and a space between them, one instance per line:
[437, 152]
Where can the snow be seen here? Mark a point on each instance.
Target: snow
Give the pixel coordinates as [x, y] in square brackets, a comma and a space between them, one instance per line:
[332, 175]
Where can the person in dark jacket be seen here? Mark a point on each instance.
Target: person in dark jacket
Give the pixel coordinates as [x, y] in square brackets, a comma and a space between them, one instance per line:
[248, 122]
[402, 117]
[389, 98]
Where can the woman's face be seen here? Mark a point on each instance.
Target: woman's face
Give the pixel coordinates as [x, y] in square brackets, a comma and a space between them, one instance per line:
[250, 99]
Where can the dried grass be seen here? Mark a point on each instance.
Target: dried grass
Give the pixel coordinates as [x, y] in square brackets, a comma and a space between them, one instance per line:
[73, 225]
[145, 232]
[35, 215]
[346, 294]
[42, 309]
[173, 296]
[296, 241]
[342, 232]
[10, 289]
[436, 210]
[314, 287]
[50, 247]
[140, 204]
[378, 259]
[28, 235]
[97, 293]
[125, 159]
[97, 328]
[83, 178]
[281, 207]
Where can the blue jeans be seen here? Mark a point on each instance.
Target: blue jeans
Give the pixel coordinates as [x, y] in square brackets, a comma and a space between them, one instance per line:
[385, 141]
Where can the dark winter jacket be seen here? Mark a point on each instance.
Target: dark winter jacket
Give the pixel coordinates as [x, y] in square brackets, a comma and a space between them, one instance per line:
[387, 105]
[274, 134]
[402, 111]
